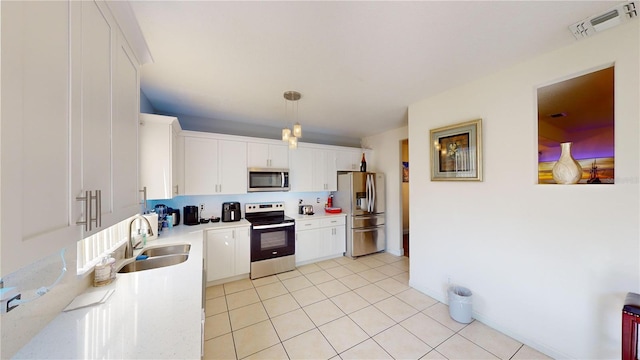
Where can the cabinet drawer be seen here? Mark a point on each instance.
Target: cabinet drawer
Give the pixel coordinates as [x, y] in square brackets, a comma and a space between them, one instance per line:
[307, 224]
[332, 221]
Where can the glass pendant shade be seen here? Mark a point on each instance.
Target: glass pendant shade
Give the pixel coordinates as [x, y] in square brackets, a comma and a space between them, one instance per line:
[297, 130]
[286, 134]
[293, 142]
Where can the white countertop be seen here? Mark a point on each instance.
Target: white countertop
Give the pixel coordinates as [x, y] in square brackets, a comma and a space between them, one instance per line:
[153, 314]
[318, 216]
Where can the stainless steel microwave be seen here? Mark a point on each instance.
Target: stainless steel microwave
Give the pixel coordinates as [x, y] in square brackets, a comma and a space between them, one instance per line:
[267, 179]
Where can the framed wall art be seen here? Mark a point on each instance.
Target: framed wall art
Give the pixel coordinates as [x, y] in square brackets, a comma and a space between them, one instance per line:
[456, 152]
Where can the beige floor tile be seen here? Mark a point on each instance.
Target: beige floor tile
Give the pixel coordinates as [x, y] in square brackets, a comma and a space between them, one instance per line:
[276, 352]
[440, 312]
[296, 283]
[247, 315]
[271, 290]
[349, 302]
[242, 298]
[416, 299]
[308, 296]
[457, 347]
[292, 324]
[388, 258]
[371, 262]
[255, 338]
[217, 325]
[395, 309]
[373, 275]
[389, 270]
[527, 353]
[356, 266]
[343, 334]
[220, 348]
[319, 277]
[368, 349]
[433, 355]
[491, 340]
[323, 312]
[372, 320]
[280, 305]
[265, 280]
[214, 291]
[328, 264]
[332, 288]
[372, 293]
[215, 306]
[354, 281]
[427, 329]
[310, 345]
[289, 275]
[402, 278]
[339, 272]
[402, 344]
[235, 286]
[402, 265]
[392, 286]
[309, 269]
[344, 260]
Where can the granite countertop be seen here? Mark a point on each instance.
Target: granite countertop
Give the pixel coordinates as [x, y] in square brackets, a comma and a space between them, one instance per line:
[153, 314]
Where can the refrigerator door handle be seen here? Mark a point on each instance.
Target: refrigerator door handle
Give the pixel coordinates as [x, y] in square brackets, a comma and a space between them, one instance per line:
[373, 192]
[369, 229]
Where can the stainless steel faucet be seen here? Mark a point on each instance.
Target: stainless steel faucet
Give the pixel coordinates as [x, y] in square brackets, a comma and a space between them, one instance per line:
[128, 250]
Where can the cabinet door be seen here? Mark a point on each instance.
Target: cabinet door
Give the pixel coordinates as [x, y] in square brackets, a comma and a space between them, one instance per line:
[232, 172]
[124, 143]
[279, 156]
[339, 240]
[35, 133]
[301, 171]
[200, 166]
[243, 251]
[220, 254]
[348, 160]
[177, 165]
[331, 171]
[258, 155]
[307, 245]
[324, 170]
[96, 63]
[156, 156]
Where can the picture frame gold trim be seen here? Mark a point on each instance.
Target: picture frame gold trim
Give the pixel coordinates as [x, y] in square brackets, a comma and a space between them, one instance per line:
[456, 152]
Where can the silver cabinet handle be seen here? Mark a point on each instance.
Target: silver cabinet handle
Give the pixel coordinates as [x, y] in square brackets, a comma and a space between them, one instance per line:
[98, 208]
[144, 198]
[177, 192]
[87, 208]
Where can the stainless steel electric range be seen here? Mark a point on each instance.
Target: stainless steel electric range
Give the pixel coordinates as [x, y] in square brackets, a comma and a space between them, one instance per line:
[273, 239]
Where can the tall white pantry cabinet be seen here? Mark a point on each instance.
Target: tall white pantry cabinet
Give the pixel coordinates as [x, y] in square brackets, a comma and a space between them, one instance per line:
[70, 90]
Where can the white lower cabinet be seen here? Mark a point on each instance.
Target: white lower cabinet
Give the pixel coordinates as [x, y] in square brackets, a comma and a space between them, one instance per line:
[228, 252]
[320, 239]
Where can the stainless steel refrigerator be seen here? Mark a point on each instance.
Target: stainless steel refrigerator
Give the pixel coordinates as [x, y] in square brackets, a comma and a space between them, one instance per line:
[361, 196]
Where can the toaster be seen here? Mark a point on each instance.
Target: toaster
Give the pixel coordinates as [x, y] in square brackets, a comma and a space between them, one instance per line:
[231, 211]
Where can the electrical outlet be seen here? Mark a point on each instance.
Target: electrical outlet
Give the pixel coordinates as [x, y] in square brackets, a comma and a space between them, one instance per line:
[318, 200]
[201, 208]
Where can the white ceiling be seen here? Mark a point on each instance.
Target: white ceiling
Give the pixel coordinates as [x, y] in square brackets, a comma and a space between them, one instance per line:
[358, 65]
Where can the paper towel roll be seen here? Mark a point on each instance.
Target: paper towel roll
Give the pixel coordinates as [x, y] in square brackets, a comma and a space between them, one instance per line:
[153, 220]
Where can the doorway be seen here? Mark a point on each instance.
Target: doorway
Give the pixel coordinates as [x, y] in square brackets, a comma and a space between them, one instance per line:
[405, 195]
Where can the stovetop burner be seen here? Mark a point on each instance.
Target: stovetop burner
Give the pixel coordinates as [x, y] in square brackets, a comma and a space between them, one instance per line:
[266, 213]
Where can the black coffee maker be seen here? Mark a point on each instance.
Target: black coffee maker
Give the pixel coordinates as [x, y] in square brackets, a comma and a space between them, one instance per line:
[231, 211]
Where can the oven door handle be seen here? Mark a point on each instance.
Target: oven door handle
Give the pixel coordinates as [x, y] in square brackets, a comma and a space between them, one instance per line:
[273, 226]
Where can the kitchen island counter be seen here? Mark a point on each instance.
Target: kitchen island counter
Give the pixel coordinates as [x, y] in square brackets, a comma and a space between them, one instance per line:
[153, 314]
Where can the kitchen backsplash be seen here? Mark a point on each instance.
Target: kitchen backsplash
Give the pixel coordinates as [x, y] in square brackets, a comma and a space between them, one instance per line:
[213, 203]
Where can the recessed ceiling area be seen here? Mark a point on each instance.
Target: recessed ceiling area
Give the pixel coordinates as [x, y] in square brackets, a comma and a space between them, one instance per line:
[222, 66]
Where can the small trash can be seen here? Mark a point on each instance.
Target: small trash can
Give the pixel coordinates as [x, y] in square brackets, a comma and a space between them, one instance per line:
[460, 304]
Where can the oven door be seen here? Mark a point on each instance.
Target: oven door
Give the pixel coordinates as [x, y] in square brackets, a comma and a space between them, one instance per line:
[272, 241]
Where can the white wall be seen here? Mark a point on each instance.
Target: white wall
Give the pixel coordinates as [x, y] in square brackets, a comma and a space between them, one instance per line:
[388, 153]
[548, 264]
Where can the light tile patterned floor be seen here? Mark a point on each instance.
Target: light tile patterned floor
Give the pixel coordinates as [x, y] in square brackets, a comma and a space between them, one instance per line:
[344, 309]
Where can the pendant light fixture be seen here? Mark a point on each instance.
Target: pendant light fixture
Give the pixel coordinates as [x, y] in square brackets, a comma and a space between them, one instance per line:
[289, 136]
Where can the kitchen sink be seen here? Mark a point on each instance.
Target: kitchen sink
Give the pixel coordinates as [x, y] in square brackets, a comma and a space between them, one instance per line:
[167, 250]
[154, 263]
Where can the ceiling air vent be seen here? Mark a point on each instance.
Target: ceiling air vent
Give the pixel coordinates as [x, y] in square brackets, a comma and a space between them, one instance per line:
[610, 18]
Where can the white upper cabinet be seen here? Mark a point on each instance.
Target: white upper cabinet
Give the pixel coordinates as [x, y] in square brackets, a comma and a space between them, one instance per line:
[325, 177]
[159, 156]
[70, 108]
[35, 133]
[313, 169]
[214, 167]
[262, 155]
[301, 170]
